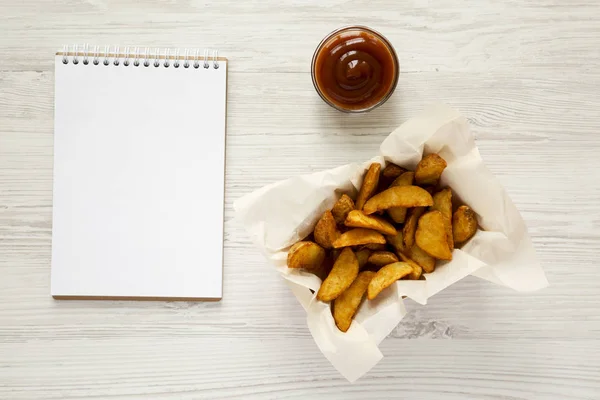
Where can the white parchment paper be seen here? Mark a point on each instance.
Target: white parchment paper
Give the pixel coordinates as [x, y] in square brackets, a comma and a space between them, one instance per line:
[280, 214]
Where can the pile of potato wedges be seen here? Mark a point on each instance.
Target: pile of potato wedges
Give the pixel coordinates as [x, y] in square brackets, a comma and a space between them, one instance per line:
[398, 226]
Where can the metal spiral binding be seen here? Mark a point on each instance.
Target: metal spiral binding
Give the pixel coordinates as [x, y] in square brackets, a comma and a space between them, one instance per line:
[159, 57]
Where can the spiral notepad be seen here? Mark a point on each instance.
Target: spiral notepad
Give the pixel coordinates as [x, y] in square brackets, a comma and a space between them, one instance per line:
[139, 170]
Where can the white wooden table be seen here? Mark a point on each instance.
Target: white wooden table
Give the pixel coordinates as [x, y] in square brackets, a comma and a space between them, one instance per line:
[526, 75]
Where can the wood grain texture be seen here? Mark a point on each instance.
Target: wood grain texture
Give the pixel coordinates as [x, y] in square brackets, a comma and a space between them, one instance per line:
[524, 73]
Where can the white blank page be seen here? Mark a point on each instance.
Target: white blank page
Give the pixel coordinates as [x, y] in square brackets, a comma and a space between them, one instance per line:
[139, 161]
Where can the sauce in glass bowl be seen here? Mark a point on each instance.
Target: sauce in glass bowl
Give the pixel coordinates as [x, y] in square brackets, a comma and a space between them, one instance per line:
[355, 69]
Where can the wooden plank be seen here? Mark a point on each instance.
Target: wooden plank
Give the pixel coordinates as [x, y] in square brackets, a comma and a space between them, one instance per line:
[201, 366]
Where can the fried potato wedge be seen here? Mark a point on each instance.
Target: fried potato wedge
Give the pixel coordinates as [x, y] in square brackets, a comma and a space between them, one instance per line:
[410, 227]
[363, 257]
[326, 231]
[343, 273]
[346, 305]
[305, 254]
[431, 235]
[398, 214]
[430, 169]
[387, 176]
[341, 208]
[374, 247]
[358, 236]
[406, 179]
[386, 276]
[398, 196]
[417, 270]
[323, 270]
[464, 224]
[423, 259]
[392, 171]
[397, 241]
[369, 185]
[442, 202]
[357, 219]
[381, 258]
